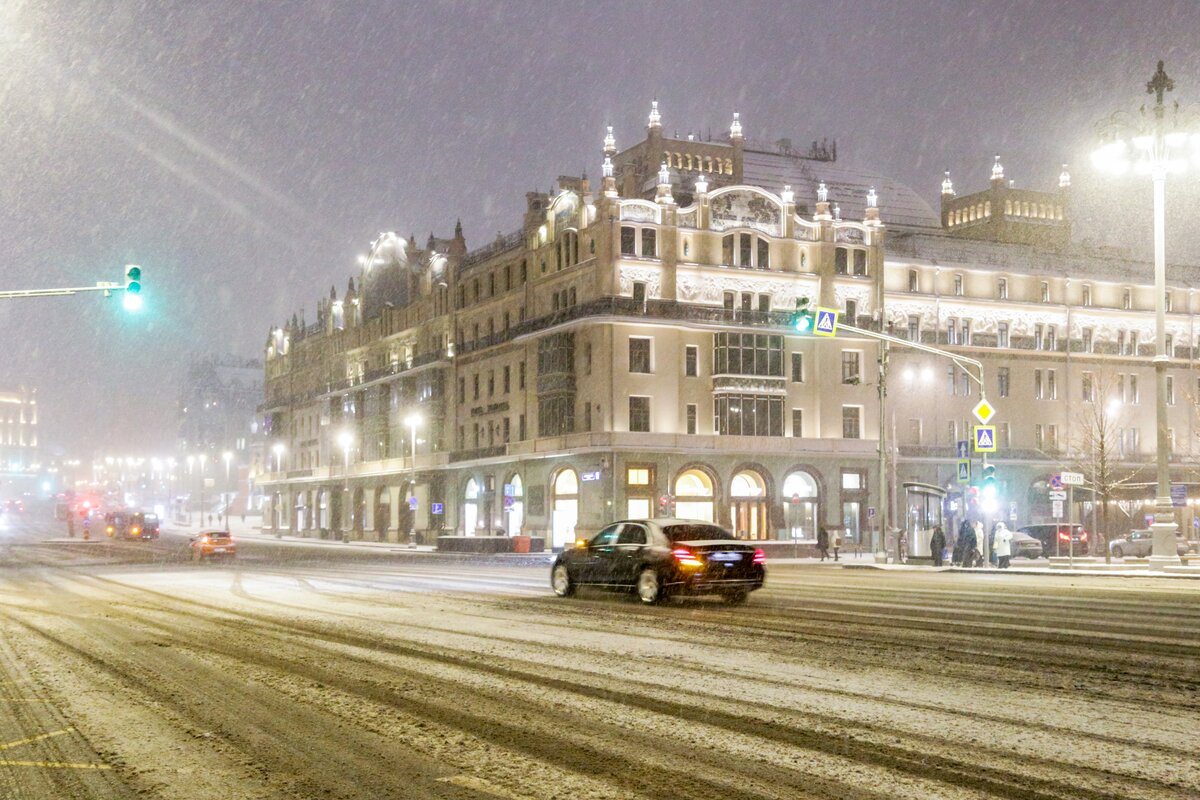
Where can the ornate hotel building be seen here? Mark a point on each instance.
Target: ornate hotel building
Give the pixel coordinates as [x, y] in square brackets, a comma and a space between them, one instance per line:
[627, 352]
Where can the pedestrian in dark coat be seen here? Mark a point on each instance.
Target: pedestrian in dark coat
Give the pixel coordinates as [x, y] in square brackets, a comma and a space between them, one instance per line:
[970, 544]
[937, 544]
[823, 543]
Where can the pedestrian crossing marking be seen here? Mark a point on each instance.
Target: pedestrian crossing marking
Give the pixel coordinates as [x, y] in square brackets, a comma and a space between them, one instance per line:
[985, 438]
[32, 739]
[827, 321]
[58, 764]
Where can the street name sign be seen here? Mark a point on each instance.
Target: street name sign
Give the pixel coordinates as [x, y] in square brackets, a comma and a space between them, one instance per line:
[436, 508]
[983, 412]
[1071, 478]
[964, 470]
[985, 438]
[827, 320]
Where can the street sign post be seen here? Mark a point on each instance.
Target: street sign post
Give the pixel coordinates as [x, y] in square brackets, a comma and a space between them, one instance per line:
[827, 321]
[985, 438]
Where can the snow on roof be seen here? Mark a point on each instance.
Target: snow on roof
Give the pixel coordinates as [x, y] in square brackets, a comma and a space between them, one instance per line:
[899, 206]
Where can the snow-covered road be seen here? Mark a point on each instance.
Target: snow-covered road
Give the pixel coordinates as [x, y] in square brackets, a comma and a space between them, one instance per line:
[408, 677]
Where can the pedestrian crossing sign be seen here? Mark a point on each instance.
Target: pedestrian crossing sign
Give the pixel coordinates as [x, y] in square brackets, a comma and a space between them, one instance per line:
[827, 320]
[964, 470]
[985, 438]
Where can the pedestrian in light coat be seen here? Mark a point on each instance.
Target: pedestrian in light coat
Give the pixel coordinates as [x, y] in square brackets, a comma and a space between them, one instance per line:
[1003, 545]
[823, 542]
[937, 545]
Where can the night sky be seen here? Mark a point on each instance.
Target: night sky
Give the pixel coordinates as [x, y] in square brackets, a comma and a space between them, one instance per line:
[244, 153]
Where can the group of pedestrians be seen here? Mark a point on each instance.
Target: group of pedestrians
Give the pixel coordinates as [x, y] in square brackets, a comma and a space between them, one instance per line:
[966, 551]
[824, 540]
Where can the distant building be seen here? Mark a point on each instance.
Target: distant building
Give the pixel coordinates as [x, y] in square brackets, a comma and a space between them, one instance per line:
[18, 430]
[217, 416]
[627, 353]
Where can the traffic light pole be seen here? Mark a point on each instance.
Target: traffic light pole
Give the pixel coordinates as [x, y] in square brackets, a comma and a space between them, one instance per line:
[963, 362]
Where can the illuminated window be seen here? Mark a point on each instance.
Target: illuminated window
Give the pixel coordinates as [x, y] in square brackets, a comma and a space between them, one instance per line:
[637, 476]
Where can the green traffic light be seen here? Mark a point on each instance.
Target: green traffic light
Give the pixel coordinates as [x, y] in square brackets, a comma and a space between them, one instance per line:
[133, 279]
[802, 318]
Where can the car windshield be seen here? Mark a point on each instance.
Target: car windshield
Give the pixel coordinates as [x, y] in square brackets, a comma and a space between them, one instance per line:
[691, 533]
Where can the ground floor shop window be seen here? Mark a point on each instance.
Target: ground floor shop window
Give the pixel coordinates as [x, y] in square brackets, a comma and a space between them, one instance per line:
[800, 505]
[748, 506]
[565, 508]
[471, 508]
[514, 505]
[694, 495]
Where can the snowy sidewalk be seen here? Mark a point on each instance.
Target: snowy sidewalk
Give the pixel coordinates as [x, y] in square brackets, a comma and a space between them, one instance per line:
[1100, 569]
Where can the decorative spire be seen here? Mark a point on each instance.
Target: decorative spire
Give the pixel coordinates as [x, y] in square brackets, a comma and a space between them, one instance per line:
[655, 117]
[872, 198]
[822, 193]
[664, 175]
[788, 195]
[458, 229]
[663, 194]
[701, 183]
[1064, 178]
[607, 169]
[837, 211]
[997, 169]
[735, 128]
[610, 143]
[947, 185]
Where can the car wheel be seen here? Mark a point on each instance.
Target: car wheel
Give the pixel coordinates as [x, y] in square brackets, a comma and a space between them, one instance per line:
[649, 586]
[735, 598]
[561, 582]
[1118, 552]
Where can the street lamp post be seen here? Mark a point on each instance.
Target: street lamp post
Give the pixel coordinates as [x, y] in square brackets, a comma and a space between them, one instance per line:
[226, 457]
[346, 440]
[412, 421]
[1150, 144]
[203, 460]
[277, 449]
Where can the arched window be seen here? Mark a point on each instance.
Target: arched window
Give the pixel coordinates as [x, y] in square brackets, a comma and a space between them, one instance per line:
[987, 208]
[694, 495]
[708, 164]
[471, 508]
[1008, 207]
[800, 499]
[514, 505]
[748, 505]
[728, 166]
[564, 508]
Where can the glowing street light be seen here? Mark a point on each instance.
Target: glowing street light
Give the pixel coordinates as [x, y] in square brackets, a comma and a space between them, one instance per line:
[412, 421]
[346, 440]
[1149, 144]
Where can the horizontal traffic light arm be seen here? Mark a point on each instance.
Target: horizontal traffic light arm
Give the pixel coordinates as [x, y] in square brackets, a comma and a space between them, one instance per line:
[963, 362]
[101, 286]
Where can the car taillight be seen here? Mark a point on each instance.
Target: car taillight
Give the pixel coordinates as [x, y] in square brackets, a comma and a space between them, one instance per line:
[1063, 536]
[206, 540]
[686, 557]
[137, 530]
[1083, 536]
[759, 556]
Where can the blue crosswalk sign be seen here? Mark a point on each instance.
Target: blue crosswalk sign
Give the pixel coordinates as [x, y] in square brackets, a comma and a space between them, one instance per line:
[964, 471]
[827, 319]
[985, 438]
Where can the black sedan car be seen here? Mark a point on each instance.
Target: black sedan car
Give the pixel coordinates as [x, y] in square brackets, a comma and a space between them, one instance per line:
[657, 558]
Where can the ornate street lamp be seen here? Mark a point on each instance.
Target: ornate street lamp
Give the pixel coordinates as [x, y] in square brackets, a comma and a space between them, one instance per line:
[1154, 142]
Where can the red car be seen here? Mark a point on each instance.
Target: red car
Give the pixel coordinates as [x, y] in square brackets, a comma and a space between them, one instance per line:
[213, 544]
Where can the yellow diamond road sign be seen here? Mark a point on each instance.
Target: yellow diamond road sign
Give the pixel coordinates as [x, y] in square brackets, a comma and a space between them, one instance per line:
[983, 412]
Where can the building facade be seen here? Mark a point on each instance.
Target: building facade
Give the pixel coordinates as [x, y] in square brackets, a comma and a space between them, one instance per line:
[628, 352]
